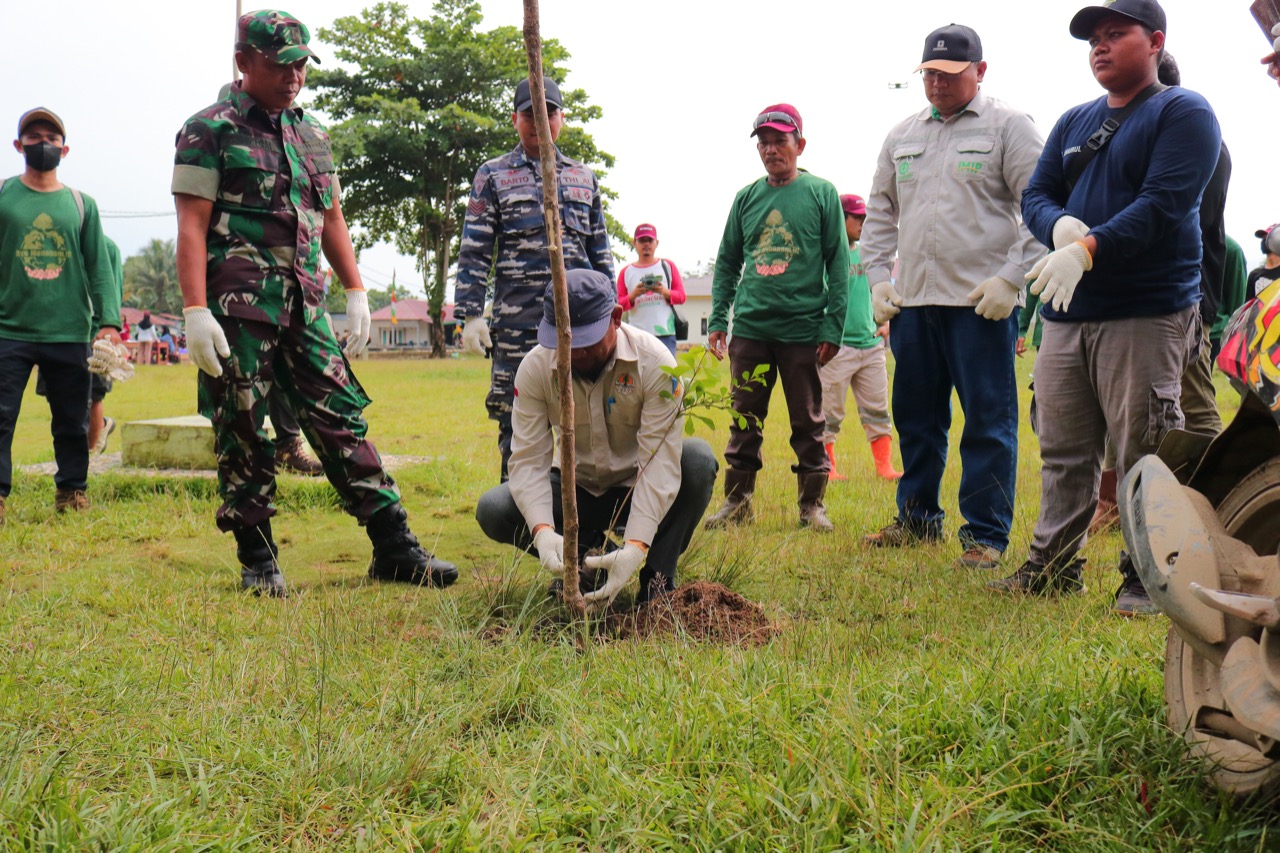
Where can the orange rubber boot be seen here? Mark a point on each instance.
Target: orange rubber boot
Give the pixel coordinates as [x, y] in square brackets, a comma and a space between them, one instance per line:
[880, 449]
[833, 474]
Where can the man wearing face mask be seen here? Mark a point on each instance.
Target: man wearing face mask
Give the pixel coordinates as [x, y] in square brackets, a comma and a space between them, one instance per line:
[634, 469]
[57, 294]
[258, 201]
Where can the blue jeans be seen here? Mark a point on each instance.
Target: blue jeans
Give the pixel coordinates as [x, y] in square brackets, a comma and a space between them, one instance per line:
[938, 348]
[65, 370]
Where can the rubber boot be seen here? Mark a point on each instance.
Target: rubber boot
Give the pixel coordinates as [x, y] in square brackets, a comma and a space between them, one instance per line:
[259, 570]
[397, 556]
[739, 486]
[881, 448]
[813, 514]
[833, 474]
[1107, 515]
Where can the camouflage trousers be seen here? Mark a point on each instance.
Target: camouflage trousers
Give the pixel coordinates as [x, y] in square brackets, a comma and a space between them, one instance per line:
[510, 346]
[307, 364]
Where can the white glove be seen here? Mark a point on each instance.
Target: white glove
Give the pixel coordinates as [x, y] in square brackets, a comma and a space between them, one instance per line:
[550, 547]
[1068, 230]
[1058, 273]
[205, 340]
[995, 297]
[475, 336]
[1275, 43]
[110, 359]
[621, 565]
[885, 302]
[358, 322]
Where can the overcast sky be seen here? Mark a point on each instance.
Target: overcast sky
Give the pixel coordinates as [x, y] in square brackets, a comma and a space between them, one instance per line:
[679, 83]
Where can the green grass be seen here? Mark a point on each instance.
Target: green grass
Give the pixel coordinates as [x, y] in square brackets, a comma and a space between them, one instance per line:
[146, 705]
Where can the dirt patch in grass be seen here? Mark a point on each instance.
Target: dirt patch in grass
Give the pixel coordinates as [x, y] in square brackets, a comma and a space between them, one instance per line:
[700, 611]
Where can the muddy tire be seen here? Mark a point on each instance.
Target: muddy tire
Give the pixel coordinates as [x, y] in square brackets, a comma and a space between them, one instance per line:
[1249, 513]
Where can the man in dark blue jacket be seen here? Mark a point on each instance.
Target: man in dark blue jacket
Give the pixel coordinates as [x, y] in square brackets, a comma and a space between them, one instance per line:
[1120, 290]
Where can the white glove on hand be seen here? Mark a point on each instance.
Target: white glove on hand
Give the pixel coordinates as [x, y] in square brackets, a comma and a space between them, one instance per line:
[358, 323]
[1068, 230]
[1058, 273]
[550, 547]
[995, 297]
[205, 340]
[885, 302]
[1275, 42]
[110, 359]
[621, 565]
[475, 336]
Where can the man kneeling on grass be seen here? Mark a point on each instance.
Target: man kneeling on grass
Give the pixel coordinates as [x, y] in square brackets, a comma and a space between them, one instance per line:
[635, 471]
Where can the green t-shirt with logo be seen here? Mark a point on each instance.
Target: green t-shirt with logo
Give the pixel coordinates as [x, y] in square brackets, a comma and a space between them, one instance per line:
[783, 264]
[56, 282]
[859, 323]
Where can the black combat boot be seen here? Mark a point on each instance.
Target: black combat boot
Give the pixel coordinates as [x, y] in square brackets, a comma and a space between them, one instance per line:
[259, 571]
[397, 556]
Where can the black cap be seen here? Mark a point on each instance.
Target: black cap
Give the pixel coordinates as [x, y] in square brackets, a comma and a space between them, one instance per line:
[592, 298]
[949, 49]
[523, 100]
[1145, 12]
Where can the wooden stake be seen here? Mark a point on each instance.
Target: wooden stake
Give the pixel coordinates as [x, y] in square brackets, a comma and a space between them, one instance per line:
[564, 340]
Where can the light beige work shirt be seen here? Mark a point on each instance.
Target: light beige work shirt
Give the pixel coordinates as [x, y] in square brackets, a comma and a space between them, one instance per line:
[626, 432]
[947, 201]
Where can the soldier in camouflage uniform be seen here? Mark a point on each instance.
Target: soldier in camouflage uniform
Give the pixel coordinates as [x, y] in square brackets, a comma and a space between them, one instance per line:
[257, 202]
[505, 231]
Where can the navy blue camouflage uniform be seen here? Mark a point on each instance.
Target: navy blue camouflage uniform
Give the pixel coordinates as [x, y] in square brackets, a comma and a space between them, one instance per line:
[505, 232]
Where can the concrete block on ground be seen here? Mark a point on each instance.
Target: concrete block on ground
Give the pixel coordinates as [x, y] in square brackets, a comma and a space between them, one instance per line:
[185, 442]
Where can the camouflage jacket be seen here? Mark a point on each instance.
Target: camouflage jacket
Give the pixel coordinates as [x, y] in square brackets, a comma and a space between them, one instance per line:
[270, 182]
[505, 231]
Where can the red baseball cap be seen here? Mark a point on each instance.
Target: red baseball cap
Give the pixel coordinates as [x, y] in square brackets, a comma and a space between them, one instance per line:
[1262, 232]
[781, 117]
[853, 205]
[645, 230]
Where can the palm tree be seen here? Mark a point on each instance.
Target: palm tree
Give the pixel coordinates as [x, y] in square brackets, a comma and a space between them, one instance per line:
[151, 278]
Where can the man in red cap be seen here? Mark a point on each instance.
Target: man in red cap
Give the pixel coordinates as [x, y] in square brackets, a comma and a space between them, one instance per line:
[944, 202]
[651, 288]
[783, 270]
[860, 364]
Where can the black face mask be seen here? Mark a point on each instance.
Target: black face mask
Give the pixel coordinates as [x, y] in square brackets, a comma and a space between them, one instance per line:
[43, 156]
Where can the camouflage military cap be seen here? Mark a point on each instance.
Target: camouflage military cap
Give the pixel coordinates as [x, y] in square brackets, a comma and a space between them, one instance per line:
[276, 34]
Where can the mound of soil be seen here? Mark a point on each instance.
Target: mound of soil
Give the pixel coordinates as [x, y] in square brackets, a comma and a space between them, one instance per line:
[700, 611]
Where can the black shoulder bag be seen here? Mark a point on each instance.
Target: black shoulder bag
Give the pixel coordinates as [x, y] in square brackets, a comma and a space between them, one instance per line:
[682, 324]
[1075, 166]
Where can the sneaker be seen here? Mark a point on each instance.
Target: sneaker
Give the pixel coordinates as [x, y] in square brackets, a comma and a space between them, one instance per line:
[979, 557]
[294, 457]
[1035, 579]
[1131, 597]
[74, 499]
[108, 427]
[898, 535]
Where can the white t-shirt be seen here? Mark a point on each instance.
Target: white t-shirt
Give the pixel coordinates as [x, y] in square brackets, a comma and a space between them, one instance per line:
[650, 310]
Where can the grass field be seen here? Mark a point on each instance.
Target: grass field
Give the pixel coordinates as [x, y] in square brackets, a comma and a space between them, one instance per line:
[146, 705]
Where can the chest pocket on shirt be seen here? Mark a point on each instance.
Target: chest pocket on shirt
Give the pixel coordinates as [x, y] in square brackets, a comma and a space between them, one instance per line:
[903, 161]
[250, 178]
[975, 158]
[320, 172]
[575, 204]
[520, 204]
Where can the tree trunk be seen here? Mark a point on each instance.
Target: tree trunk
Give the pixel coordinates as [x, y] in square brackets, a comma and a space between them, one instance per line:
[564, 342]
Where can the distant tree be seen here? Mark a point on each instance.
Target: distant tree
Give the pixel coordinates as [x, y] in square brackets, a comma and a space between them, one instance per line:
[151, 278]
[428, 102]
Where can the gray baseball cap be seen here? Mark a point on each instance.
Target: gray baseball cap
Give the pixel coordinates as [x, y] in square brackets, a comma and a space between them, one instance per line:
[592, 298]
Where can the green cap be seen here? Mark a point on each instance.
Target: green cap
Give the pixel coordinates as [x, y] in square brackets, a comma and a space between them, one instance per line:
[277, 35]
